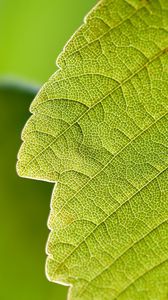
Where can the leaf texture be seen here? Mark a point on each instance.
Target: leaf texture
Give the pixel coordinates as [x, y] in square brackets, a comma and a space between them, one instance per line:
[99, 130]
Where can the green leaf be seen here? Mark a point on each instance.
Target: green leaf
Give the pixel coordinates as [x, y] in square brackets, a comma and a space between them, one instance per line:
[99, 129]
[24, 207]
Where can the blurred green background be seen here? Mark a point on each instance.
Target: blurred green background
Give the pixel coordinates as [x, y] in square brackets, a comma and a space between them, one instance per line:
[32, 33]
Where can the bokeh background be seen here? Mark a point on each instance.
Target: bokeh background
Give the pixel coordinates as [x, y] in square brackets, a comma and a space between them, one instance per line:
[32, 33]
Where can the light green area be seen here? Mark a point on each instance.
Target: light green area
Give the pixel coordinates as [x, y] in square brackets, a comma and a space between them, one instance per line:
[23, 210]
[34, 32]
[100, 129]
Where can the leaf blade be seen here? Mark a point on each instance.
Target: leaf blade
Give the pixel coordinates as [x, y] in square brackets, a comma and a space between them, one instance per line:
[100, 131]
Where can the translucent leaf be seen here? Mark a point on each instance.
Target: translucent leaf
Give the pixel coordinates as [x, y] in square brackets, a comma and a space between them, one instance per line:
[99, 130]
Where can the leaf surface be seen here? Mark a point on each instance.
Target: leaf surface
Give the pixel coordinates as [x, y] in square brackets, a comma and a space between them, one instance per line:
[99, 130]
[22, 230]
